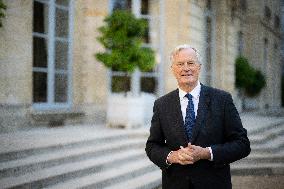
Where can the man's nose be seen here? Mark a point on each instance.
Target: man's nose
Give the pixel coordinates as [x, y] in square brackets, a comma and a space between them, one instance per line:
[186, 67]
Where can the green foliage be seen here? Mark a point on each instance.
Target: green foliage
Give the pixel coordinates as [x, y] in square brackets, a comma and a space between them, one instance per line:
[122, 37]
[3, 7]
[248, 78]
[244, 73]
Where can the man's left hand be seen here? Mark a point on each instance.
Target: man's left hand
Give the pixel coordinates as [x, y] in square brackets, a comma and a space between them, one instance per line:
[196, 152]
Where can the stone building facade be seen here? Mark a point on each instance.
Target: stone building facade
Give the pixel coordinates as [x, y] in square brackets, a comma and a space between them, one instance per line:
[49, 74]
[262, 35]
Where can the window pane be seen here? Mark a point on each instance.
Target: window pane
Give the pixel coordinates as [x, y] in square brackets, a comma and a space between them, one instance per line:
[267, 12]
[61, 23]
[39, 52]
[276, 22]
[120, 84]
[148, 84]
[39, 87]
[208, 4]
[61, 55]
[208, 52]
[151, 70]
[40, 17]
[61, 84]
[121, 4]
[146, 37]
[62, 2]
[145, 7]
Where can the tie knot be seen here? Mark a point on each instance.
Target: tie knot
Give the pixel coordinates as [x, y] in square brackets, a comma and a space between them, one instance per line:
[189, 96]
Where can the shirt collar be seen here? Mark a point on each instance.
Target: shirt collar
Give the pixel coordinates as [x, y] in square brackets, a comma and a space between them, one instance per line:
[195, 92]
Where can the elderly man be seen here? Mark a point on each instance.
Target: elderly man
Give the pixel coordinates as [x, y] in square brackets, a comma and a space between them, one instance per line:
[196, 131]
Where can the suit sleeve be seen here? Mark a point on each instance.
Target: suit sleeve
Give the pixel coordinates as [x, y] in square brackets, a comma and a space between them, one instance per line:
[236, 143]
[156, 148]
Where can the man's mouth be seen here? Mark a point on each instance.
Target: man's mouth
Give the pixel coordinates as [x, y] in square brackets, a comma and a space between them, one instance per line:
[186, 75]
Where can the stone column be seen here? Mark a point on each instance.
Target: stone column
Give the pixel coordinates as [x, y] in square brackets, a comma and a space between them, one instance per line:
[16, 65]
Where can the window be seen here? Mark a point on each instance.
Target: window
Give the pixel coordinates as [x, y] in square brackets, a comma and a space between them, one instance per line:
[267, 12]
[265, 53]
[121, 5]
[276, 22]
[138, 81]
[240, 43]
[51, 49]
[208, 5]
[275, 46]
[243, 5]
[208, 50]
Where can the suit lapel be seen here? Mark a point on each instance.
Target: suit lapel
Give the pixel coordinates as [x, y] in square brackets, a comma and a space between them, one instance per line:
[177, 117]
[204, 101]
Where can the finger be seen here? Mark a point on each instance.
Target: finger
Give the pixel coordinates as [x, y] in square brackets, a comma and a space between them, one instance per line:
[186, 150]
[186, 157]
[191, 146]
[183, 154]
[186, 162]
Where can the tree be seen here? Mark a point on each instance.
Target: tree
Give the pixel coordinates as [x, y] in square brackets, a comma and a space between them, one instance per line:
[2, 9]
[122, 37]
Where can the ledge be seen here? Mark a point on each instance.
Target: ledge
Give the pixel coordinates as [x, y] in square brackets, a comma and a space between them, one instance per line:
[55, 117]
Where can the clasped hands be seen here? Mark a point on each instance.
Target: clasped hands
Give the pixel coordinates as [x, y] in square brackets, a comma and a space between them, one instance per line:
[189, 155]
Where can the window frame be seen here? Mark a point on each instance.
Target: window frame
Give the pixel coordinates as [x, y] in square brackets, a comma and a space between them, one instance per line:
[137, 75]
[51, 70]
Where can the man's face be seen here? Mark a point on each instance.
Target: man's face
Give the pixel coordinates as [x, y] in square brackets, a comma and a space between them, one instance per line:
[186, 68]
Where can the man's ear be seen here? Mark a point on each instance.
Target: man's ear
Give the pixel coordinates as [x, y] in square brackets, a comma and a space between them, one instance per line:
[199, 66]
[172, 69]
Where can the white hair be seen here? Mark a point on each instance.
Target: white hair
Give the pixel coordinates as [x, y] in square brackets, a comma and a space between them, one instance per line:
[185, 46]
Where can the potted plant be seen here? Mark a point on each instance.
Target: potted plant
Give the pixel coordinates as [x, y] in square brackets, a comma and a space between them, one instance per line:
[122, 37]
[249, 81]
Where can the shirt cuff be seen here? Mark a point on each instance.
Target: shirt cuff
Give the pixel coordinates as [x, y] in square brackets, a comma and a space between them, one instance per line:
[211, 153]
[168, 163]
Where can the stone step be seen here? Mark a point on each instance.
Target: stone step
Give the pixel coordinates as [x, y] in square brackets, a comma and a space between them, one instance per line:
[60, 173]
[66, 155]
[263, 158]
[147, 181]
[274, 145]
[267, 135]
[119, 173]
[257, 169]
[15, 146]
[263, 129]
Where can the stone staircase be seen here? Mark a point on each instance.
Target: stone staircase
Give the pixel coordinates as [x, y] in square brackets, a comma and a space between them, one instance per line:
[267, 155]
[90, 157]
[108, 159]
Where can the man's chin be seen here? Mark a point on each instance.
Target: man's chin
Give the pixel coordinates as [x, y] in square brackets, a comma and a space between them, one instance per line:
[189, 82]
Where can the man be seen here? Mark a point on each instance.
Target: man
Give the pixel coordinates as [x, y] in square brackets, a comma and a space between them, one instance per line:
[196, 131]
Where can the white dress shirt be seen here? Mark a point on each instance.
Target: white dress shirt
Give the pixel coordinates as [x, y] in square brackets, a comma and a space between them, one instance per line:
[184, 100]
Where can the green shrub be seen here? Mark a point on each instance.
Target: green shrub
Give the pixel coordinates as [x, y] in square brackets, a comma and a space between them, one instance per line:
[247, 78]
[2, 9]
[122, 37]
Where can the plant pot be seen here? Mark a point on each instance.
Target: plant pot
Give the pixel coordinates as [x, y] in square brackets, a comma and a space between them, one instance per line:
[129, 111]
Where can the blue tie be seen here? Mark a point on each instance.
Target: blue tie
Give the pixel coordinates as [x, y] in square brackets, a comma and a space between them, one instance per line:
[190, 117]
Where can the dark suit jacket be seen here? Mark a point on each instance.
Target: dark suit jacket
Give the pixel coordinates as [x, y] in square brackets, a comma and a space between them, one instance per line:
[218, 126]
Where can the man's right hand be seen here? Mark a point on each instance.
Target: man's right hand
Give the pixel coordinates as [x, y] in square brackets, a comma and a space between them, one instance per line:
[188, 155]
[180, 156]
